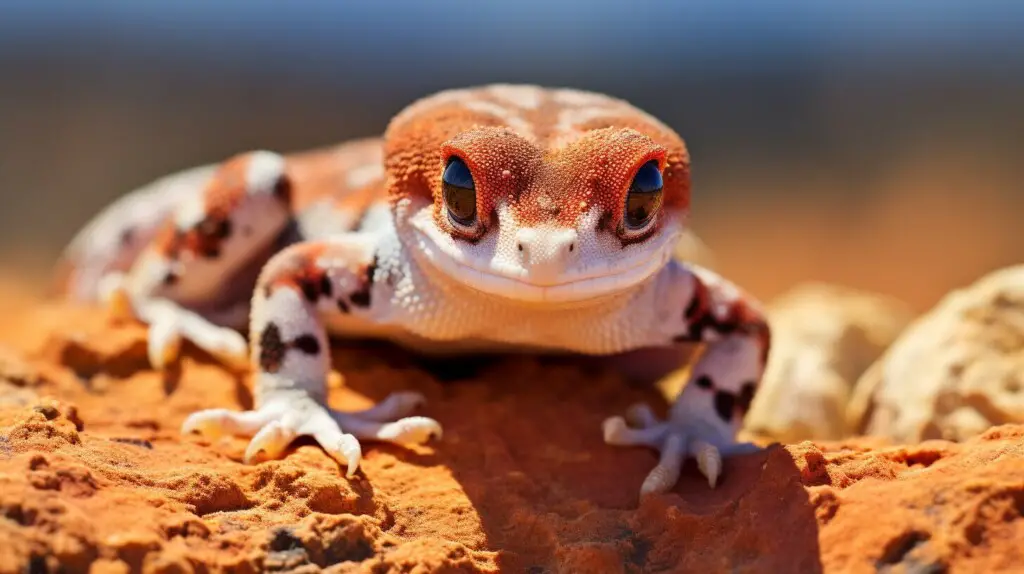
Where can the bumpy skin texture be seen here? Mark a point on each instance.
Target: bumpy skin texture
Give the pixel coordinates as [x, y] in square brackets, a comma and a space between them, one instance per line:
[358, 240]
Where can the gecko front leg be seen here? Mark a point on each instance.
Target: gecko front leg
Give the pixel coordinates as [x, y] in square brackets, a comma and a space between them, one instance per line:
[707, 414]
[189, 283]
[298, 291]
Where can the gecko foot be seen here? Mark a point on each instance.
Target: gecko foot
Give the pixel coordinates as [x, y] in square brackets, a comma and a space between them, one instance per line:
[169, 328]
[675, 441]
[285, 417]
[170, 325]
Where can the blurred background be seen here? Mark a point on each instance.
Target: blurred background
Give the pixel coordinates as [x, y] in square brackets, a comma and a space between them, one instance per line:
[868, 143]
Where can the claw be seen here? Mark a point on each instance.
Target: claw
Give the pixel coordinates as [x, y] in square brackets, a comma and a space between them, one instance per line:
[614, 428]
[115, 296]
[709, 460]
[352, 452]
[164, 344]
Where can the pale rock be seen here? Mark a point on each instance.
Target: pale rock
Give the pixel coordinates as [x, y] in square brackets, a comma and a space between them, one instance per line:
[823, 338]
[954, 372]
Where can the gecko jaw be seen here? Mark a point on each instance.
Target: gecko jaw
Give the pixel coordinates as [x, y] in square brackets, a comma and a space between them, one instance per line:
[522, 290]
[479, 268]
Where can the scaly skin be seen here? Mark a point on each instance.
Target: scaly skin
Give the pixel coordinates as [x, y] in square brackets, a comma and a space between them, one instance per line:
[363, 240]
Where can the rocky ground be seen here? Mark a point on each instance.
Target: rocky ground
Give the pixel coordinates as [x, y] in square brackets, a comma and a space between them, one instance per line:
[94, 476]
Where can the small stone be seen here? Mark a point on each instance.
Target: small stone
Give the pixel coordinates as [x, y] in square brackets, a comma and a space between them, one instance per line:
[823, 338]
[955, 372]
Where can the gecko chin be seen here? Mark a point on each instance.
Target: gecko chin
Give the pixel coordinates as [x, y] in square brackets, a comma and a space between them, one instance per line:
[495, 266]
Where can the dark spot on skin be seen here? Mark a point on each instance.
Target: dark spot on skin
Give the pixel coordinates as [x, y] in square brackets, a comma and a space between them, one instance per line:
[170, 279]
[307, 344]
[700, 319]
[704, 382]
[698, 316]
[746, 396]
[205, 237]
[283, 188]
[724, 404]
[361, 298]
[224, 229]
[309, 289]
[272, 348]
[693, 308]
[214, 227]
[210, 251]
[174, 243]
[325, 286]
[127, 236]
[726, 327]
[343, 306]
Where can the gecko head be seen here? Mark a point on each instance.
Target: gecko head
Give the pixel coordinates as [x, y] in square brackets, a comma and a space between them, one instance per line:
[537, 195]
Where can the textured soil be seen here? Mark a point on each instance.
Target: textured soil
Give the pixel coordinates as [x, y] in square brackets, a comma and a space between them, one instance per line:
[94, 476]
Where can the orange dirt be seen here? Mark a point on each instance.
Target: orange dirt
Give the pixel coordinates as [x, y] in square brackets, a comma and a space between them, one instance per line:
[95, 477]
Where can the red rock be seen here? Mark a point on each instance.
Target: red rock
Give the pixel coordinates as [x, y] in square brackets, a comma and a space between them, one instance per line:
[94, 477]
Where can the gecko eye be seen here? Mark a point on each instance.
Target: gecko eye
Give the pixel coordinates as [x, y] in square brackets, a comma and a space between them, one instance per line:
[459, 192]
[644, 197]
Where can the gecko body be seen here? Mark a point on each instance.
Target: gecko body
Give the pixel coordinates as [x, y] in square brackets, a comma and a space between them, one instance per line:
[497, 218]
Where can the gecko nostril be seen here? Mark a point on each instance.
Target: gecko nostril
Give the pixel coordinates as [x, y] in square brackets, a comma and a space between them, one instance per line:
[571, 247]
[520, 246]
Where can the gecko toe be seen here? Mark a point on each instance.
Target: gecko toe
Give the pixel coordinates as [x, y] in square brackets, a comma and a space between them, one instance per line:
[408, 430]
[230, 348]
[272, 440]
[411, 430]
[164, 344]
[666, 473]
[214, 423]
[617, 432]
[641, 415]
[395, 406]
[614, 428]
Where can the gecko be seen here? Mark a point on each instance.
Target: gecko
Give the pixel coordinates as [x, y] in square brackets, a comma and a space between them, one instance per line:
[494, 218]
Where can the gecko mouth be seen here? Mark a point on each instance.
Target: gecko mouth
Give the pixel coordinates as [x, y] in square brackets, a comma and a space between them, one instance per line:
[600, 280]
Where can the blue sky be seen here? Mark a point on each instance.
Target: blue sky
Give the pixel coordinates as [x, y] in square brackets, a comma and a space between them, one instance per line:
[412, 35]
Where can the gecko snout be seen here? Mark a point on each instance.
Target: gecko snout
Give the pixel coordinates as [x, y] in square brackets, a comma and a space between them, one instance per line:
[546, 253]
